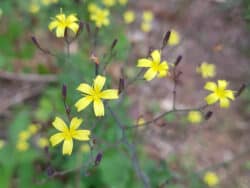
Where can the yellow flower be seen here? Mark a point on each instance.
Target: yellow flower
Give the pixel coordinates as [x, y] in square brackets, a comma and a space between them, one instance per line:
[2, 143]
[154, 65]
[22, 145]
[129, 17]
[219, 92]
[211, 179]
[92, 7]
[42, 142]
[95, 94]
[147, 16]
[46, 2]
[146, 27]
[123, 2]
[61, 22]
[174, 38]
[34, 8]
[24, 135]
[68, 134]
[206, 70]
[100, 17]
[194, 117]
[109, 3]
[33, 128]
[85, 148]
[140, 121]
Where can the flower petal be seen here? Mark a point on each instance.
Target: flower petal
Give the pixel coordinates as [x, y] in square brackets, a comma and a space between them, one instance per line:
[75, 123]
[56, 139]
[144, 63]
[74, 27]
[59, 124]
[81, 135]
[71, 18]
[110, 94]
[99, 82]
[156, 56]
[229, 94]
[222, 84]
[85, 88]
[224, 103]
[53, 25]
[60, 31]
[211, 86]
[98, 108]
[212, 98]
[83, 103]
[150, 74]
[67, 147]
[162, 74]
[164, 65]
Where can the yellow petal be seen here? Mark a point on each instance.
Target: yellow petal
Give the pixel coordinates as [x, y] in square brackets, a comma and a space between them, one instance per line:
[74, 27]
[75, 123]
[224, 103]
[56, 138]
[53, 25]
[71, 18]
[229, 94]
[164, 65]
[60, 31]
[144, 63]
[212, 98]
[59, 124]
[67, 147]
[98, 108]
[61, 17]
[150, 74]
[81, 135]
[156, 56]
[99, 82]
[85, 88]
[211, 86]
[110, 94]
[83, 103]
[162, 74]
[222, 84]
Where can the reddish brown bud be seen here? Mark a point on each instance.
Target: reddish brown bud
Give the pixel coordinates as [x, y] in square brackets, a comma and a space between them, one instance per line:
[178, 60]
[121, 86]
[98, 158]
[208, 115]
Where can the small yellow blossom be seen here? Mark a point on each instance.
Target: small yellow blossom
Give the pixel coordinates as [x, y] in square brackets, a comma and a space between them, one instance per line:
[24, 135]
[140, 121]
[194, 117]
[46, 2]
[34, 8]
[85, 148]
[129, 17]
[211, 179]
[154, 65]
[2, 143]
[42, 142]
[33, 128]
[174, 38]
[147, 16]
[109, 3]
[67, 134]
[219, 92]
[206, 70]
[92, 7]
[146, 27]
[61, 22]
[96, 95]
[123, 2]
[100, 17]
[22, 146]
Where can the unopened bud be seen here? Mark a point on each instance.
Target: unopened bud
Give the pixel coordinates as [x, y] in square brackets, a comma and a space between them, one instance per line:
[113, 44]
[88, 28]
[50, 170]
[165, 39]
[208, 115]
[98, 158]
[121, 86]
[242, 88]
[178, 60]
[64, 91]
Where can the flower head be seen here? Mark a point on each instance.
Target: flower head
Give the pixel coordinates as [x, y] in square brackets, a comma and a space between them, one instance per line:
[147, 16]
[211, 179]
[34, 8]
[146, 27]
[92, 7]
[67, 134]
[96, 95]
[129, 17]
[61, 22]
[194, 117]
[42, 142]
[219, 92]
[100, 17]
[174, 38]
[206, 70]
[123, 2]
[109, 3]
[154, 65]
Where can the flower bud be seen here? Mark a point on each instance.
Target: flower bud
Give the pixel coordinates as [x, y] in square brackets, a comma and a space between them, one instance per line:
[98, 158]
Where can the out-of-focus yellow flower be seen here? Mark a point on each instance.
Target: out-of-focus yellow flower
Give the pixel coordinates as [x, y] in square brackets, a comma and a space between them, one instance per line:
[2, 143]
[211, 179]
[46, 2]
[219, 92]
[34, 8]
[100, 17]
[147, 16]
[92, 7]
[96, 95]
[33, 128]
[109, 3]
[67, 134]
[174, 38]
[61, 22]
[154, 65]
[85, 148]
[42, 142]
[194, 117]
[22, 146]
[129, 17]
[146, 27]
[140, 121]
[206, 70]
[123, 2]
[24, 135]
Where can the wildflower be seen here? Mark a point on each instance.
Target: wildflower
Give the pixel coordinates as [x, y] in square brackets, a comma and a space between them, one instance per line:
[61, 22]
[24, 135]
[147, 16]
[123, 2]
[100, 17]
[42, 142]
[140, 121]
[154, 65]
[211, 179]
[194, 117]
[85, 148]
[219, 92]
[33, 128]
[129, 17]
[146, 27]
[92, 7]
[174, 38]
[68, 134]
[2, 143]
[22, 145]
[34, 8]
[206, 70]
[109, 3]
[95, 94]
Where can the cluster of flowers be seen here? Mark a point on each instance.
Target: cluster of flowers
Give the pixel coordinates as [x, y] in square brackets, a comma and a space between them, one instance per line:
[35, 5]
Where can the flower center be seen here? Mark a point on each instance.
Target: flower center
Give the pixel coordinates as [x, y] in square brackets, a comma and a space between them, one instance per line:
[68, 135]
[220, 93]
[155, 66]
[96, 95]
